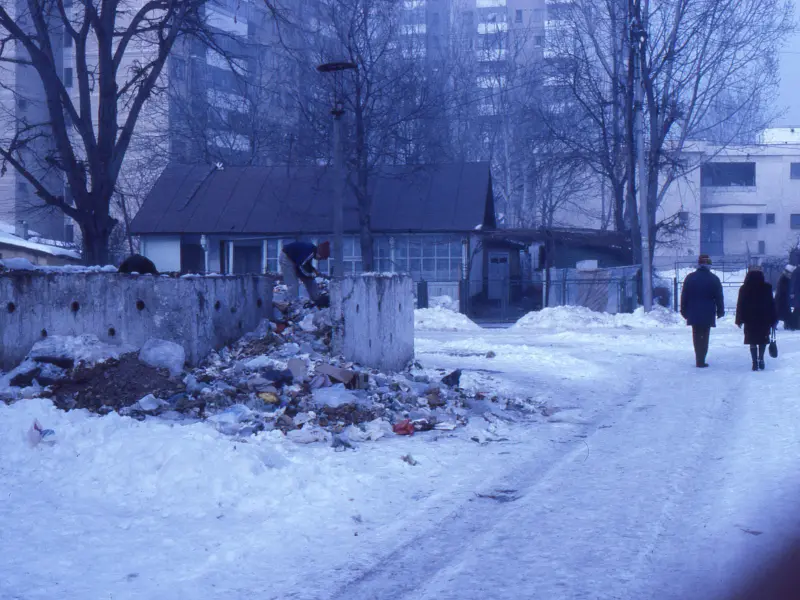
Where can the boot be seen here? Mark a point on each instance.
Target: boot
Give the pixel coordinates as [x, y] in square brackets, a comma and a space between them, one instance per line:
[761, 364]
[755, 365]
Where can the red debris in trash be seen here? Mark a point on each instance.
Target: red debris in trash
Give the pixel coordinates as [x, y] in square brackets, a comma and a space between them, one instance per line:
[280, 327]
[404, 427]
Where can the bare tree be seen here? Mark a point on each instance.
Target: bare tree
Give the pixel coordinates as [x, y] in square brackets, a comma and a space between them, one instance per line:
[708, 66]
[388, 99]
[120, 49]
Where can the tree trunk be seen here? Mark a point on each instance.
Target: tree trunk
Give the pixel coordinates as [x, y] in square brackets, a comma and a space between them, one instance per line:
[365, 224]
[96, 237]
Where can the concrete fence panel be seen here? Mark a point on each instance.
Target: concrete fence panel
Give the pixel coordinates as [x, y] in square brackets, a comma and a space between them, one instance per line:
[200, 313]
[374, 320]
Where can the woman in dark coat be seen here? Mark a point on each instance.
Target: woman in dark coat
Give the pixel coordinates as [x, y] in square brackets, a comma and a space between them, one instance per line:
[756, 311]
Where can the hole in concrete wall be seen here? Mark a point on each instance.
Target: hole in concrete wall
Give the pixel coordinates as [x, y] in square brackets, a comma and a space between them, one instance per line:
[112, 332]
[259, 303]
[370, 344]
[358, 308]
[75, 306]
[400, 308]
[234, 310]
[140, 305]
[44, 333]
[11, 307]
[217, 305]
[241, 325]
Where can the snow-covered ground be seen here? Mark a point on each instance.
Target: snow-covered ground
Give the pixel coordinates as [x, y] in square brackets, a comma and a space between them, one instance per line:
[626, 473]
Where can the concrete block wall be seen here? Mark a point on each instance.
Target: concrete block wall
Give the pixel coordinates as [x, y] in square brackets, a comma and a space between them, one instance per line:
[373, 319]
[200, 313]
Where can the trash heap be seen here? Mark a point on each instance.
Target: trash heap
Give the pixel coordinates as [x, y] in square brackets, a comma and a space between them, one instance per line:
[282, 376]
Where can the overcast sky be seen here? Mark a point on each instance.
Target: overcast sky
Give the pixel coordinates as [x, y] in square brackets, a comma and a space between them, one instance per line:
[789, 98]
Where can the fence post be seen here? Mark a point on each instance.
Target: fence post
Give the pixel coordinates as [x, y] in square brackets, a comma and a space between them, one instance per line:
[675, 301]
[463, 296]
[422, 294]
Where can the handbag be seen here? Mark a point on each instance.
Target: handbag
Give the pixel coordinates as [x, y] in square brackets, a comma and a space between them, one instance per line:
[773, 344]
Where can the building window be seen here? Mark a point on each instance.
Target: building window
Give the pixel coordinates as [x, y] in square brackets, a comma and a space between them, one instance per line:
[794, 221]
[683, 218]
[538, 40]
[432, 258]
[770, 218]
[68, 77]
[738, 174]
[518, 16]
[180, 70]
[67, 40]
[762, 247]
[795, 171]
[22, 103]
[749, 221]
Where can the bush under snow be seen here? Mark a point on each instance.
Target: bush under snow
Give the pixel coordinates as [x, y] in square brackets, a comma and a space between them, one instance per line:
[441, 319]
[580, 317]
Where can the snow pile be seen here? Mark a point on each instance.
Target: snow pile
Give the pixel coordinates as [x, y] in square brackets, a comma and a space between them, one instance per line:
[162, 354]
[441, 319]
[580, 317]
[445, 302]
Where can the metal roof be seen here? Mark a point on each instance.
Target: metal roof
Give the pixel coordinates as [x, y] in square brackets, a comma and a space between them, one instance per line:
[283, 200]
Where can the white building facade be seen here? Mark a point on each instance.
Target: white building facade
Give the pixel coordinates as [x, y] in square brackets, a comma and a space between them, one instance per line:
[740, 202]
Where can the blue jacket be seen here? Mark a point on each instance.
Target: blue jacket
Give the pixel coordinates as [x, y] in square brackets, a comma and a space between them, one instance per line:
[301, 254]
[702, 302]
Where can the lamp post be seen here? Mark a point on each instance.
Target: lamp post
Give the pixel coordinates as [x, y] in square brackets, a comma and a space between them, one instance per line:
[338, 69]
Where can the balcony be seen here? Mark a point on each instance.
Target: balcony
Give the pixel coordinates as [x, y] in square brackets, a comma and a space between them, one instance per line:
[732, 199]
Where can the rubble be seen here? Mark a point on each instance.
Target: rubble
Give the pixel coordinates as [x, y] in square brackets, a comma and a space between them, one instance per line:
[280, 377]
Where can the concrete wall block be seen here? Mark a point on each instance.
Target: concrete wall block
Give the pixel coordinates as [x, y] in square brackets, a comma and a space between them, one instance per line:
[201, 314]
[374, 320]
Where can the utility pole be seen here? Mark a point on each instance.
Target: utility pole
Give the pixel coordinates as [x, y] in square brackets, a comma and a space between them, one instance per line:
[638, 42]
[340, 173]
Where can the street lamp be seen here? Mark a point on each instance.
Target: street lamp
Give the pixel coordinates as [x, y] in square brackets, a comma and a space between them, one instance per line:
[338, 69]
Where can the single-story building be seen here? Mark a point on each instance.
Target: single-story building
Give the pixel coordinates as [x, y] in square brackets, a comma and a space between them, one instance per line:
[17, 242]
[425, 219]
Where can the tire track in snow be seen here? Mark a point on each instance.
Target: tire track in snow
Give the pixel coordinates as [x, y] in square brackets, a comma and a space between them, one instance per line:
[432, 550]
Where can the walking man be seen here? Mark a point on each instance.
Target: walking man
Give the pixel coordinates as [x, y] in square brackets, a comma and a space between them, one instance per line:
[297, 265]
[702, 304]
[783, 298]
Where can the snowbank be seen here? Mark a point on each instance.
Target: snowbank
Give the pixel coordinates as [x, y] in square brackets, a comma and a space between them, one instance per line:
[441, 319]
[579, 317]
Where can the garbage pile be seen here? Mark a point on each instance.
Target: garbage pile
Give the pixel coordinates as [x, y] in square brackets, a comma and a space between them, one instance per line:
[282, 376]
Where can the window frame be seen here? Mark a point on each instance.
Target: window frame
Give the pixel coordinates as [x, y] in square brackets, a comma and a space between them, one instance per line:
[769, 219]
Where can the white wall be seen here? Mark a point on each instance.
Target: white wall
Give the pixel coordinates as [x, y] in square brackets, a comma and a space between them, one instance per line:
[164, 251]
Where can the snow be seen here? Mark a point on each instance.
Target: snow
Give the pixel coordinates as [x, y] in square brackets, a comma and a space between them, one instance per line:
[621, 471]
[23, 264]
[579, 317]
[13, 240]
[445, 302]
[163, 354]
[442, 319]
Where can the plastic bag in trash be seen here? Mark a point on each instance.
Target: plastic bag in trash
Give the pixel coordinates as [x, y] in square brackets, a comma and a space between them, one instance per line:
[39, 435]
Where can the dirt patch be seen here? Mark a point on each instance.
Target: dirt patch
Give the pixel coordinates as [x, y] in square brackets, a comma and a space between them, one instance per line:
[113, 385]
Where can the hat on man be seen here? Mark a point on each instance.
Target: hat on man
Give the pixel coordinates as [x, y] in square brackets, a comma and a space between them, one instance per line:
[324, 251]
[789, 268]
[704, 259]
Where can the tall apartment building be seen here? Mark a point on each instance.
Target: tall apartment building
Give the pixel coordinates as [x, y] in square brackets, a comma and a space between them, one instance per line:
[22, 105]
[200, 89]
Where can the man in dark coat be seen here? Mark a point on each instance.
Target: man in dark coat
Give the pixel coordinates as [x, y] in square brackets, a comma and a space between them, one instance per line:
[297, 265]
[702, 304]
[782, 298]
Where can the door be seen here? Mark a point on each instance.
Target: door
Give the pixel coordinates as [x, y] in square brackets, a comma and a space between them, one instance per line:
[499, 272]
[712, 228]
